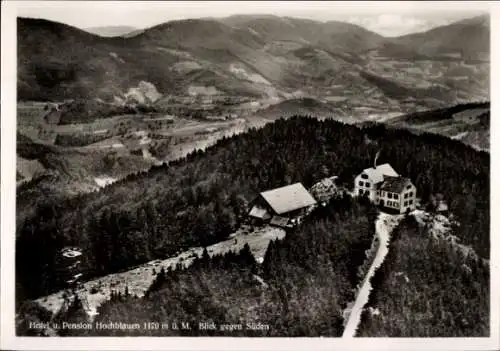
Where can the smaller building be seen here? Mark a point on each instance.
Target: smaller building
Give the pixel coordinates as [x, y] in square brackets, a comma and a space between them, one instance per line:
[398, 194]
[282, 206]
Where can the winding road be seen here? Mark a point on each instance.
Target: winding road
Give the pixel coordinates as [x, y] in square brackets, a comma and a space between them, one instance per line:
[383, 226]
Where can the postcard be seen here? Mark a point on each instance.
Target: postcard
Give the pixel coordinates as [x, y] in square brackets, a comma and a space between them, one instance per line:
[248, 175]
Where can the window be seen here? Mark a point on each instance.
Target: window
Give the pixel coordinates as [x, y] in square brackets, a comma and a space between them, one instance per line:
[406, 203]
[406, 195]
[378, 193]
[411, 194]
[360, 183]
[408, 187]
[360, 191]
[411, 202]
[396, 196]
[367, 185]
[389, 195]
[364, 176]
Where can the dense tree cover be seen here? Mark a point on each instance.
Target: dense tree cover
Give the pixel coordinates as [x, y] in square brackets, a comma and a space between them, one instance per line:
[301, 288]
[394, 90]
[443, 114]
[79, 139]
[425, 288]
[200, 199]
[86, 111]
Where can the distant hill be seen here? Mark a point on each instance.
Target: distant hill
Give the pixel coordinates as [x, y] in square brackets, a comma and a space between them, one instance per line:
[53, 172]
[467, 39]
[258, 57]
[111, 31]
[469, 123]
[332, 35]
[302, 106]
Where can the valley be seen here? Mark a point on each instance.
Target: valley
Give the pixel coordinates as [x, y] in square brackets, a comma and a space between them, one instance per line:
[143, 152]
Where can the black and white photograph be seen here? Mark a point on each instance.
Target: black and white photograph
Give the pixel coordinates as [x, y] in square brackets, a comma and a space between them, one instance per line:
[246, 170]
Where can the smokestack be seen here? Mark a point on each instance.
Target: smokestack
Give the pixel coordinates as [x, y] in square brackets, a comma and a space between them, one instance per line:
[376, 158]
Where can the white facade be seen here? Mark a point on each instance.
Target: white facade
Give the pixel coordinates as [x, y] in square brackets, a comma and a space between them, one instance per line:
[367, 181]
[364, 185]
[403, 201]
[386, 188]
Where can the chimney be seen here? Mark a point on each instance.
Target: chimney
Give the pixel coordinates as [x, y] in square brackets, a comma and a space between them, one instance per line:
[376, 158]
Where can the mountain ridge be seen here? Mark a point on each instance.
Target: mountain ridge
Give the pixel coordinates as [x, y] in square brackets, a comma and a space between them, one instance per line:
[241, 55]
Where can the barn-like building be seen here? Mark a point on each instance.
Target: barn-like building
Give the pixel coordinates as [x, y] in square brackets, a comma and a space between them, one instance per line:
[283, 206]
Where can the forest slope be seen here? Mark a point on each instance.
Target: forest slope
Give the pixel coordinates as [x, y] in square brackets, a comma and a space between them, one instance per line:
[425, 288]
[202, 198]
[300, 289]
[469, 123]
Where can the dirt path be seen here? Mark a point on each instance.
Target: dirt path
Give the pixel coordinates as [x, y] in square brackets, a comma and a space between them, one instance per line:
[383, 226]
[138, 280]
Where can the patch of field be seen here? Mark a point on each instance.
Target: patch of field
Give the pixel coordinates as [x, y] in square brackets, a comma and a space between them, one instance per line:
[185, 67]
[178, 53]
[111, 143]
[103, 181]
[196, 136]
[202, 90]
[253, 77]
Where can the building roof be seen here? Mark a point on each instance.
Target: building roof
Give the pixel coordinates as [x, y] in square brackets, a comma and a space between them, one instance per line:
[258, 212]
[376, 175]
[394, 184]
[288, 198]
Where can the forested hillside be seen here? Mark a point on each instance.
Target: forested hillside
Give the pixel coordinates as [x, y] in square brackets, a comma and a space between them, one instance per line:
[469, 123]
[201, 199]
[427, 289]
[301, 288]
[257, 57]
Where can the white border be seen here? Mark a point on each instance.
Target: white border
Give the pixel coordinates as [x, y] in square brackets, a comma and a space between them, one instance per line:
[8, 177]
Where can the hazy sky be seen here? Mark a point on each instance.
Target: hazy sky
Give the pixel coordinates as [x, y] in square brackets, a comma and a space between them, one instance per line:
[385, 17]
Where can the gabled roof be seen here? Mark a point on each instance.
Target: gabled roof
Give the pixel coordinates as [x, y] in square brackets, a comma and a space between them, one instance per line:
[288, 198]
[394, 184]
[376, 175]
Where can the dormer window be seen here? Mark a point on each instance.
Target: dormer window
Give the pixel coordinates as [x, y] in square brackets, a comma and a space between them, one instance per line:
[364, 176]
